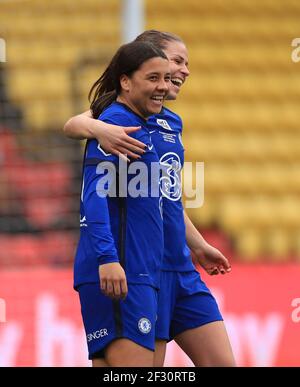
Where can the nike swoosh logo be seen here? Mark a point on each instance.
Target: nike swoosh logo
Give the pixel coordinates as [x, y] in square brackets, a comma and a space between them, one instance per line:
[150, 147]
[152, 131]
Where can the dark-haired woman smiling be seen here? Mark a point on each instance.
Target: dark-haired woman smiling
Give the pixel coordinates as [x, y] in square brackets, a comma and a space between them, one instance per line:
[118, 259]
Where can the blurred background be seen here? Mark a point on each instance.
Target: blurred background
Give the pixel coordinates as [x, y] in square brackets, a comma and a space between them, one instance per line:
[240, 108]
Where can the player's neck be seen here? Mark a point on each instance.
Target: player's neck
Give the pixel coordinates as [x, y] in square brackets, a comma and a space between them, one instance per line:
[123, 100]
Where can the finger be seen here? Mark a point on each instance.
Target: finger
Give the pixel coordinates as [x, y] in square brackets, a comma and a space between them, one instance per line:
[109, 289]
[124, 288]
[131, 129]
[133, 141]
[225, 263]
[117, 153]
[128, 153]
[132, 148]
[103, 285]
[214, 271]
[123, 153]
[117, 289]
[122, 156]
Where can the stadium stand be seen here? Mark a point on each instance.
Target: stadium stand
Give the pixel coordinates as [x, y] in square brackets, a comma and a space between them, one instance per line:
[40, 169]
[240, 111]
[240, 116]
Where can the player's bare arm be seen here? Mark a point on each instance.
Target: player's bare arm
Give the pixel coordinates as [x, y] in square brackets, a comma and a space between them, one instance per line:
[207, 256]
[113, 139]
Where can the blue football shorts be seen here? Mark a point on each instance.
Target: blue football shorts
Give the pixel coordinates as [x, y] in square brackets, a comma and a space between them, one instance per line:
[106, 320]
[184, 302]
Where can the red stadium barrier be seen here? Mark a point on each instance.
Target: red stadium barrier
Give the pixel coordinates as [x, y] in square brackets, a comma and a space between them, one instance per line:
[42, 323]
[52, 247]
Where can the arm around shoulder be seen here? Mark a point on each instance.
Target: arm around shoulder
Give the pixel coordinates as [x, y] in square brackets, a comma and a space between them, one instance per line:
[114, 139]
[79, 127]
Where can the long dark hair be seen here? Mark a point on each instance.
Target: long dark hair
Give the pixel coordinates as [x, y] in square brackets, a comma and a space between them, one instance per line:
[126, 61]
[159, 39]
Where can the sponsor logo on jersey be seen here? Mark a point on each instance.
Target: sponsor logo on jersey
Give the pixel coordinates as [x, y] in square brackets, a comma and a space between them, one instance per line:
[144, 325]
[170, 182]
[97, 334]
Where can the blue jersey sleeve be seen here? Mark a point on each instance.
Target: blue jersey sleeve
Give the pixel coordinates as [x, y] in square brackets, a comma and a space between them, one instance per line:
[95, 206]
[97, 219]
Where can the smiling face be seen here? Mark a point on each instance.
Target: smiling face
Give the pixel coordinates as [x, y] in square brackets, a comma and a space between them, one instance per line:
[178, 58]
[144, 92]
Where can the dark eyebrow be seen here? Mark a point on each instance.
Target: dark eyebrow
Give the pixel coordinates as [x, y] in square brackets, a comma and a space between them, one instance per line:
[152, 73]
[156, 73]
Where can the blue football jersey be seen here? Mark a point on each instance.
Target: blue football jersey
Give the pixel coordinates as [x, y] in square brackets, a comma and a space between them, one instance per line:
[121, 228]
[165, 129]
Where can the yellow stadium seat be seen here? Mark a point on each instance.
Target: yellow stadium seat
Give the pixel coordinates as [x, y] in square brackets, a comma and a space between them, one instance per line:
[205, 215]
[51, 115]
[277, 244]
[37, 84]
[295, 244]
[239, 105]
[249, 245]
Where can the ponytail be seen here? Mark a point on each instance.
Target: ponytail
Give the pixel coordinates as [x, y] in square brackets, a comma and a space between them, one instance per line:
[101, 103]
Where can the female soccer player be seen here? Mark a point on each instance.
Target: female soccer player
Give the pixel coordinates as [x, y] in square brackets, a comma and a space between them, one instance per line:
[121, 235]
[188, 312]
